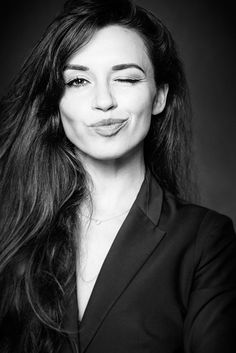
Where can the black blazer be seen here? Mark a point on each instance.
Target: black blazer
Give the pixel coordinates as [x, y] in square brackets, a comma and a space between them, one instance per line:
[168, 283]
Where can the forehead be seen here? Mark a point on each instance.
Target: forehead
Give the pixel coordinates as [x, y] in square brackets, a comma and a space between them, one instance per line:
[112, 45]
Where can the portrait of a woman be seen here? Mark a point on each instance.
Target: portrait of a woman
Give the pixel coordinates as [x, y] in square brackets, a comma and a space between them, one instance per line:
[102, 248]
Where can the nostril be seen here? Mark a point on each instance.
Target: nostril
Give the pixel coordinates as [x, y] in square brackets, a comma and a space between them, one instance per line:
[105, 103]
[104, 107]
[104, 99]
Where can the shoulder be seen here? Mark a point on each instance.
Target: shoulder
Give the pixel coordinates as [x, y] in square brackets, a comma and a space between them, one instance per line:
[208, 232]
[190, 215]
[203, 241]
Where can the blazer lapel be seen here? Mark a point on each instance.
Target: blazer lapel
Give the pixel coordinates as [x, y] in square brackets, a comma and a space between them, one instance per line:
[134, 243]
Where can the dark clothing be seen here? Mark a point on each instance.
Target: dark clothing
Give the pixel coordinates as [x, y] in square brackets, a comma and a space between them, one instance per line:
[168, 283]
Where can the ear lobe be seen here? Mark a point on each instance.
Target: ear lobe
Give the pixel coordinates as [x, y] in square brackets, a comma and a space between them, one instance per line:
[160, 99]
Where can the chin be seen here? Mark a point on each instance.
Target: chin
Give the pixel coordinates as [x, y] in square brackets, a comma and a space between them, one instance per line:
[108, 156]
[105, 155]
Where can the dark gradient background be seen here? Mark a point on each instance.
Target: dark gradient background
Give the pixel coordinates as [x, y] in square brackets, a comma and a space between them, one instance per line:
[205, 35]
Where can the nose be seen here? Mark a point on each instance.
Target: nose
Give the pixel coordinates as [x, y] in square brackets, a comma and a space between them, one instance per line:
[103, 98]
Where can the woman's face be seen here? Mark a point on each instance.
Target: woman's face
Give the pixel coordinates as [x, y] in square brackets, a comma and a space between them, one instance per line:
[110, 94]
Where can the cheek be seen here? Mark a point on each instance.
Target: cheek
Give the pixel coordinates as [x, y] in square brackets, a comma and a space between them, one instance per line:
[141, 110]
[139, 101]
[70, 109]
[142, 116]
[70, 119]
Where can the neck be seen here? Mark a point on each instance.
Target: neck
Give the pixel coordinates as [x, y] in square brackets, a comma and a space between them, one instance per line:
[113, 184]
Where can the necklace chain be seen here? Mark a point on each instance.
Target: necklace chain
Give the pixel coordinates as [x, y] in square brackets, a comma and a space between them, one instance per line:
[90, 280]
[100, 221]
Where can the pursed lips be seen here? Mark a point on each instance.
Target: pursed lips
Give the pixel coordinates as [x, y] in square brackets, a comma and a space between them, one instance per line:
[108, 127]
[107, 122]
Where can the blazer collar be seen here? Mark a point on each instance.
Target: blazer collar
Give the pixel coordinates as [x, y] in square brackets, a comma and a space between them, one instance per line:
[137, 238]
[150, 198]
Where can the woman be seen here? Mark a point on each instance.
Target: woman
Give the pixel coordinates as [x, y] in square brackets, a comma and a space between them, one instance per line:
[98, 252]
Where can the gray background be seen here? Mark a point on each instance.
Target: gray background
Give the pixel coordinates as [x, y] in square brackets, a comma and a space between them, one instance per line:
[205, 35]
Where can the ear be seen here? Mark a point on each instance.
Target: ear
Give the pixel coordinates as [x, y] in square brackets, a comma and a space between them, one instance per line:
[160, 99]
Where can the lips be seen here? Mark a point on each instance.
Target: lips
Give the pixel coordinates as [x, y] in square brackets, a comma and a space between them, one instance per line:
[109, 127]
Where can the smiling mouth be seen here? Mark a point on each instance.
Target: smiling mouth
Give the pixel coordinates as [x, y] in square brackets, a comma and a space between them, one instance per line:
[109, 127]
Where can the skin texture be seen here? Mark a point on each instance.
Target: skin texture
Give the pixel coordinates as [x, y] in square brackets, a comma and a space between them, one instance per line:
[100, 92]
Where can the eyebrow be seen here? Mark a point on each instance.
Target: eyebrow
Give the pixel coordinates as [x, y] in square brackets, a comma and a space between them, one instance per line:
[126, 66]
[114, 68]
[76, 67]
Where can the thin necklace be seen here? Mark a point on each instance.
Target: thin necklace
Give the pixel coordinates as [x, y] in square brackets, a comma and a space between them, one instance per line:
[88, 280]
[100, 221]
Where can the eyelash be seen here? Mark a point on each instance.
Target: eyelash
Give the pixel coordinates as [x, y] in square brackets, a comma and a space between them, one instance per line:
[77, 81]
[129, 80]
[74, 81]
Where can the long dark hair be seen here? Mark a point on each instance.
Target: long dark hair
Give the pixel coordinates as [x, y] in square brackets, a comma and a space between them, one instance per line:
[42, 183]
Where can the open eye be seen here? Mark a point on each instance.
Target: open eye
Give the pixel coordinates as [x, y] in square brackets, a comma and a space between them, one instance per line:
[77, 82]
